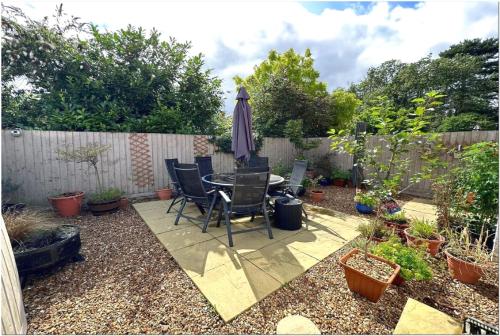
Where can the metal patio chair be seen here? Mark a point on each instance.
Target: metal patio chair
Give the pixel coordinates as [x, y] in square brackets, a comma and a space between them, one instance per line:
[205, 167]
[248, 197]
[258, 161]
[193, 191]
[169, 163]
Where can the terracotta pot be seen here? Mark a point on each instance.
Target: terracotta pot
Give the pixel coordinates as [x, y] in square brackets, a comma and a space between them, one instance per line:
[364, 284]
[350, 184]
[462, 270]
[433, 245]
[68, 204]
[104, 207]
[398, 228]
[339, 182]
[124, 203]
[164, 194]
[398, 280]
[317, 195]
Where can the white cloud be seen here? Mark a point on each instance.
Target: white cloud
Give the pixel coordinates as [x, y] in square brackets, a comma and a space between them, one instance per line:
[235, 36]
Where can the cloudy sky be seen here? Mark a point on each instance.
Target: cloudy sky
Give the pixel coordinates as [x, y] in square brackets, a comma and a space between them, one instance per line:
[345, 38]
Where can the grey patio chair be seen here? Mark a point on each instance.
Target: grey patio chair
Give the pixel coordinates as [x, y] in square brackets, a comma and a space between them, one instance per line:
[248, 197]
[258, 161]
[169, 163]
[193, 191]
[291, 187]
[205, 166]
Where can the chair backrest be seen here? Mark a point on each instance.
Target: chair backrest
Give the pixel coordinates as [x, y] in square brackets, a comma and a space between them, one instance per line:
[170, 163]
[204, 164]
[189, 179]
[258, 161]
[298, 172]
[250, 188]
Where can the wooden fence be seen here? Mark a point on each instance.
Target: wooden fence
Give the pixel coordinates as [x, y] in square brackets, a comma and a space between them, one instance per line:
[13, 315]
[135, 162]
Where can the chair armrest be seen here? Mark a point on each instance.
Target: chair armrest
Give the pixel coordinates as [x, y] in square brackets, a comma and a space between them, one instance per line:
[210, 191]
[224, 196]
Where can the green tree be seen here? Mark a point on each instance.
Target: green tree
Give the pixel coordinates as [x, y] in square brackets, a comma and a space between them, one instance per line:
[82, 79]
[344, 105]
[286, 87]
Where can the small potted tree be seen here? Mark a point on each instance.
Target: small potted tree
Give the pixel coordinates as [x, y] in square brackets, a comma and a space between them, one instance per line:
[365, 203]
[367, 274]
[466, 258]
[397, 221]
[411, 260]
[424, 232]
[105, 200]
[316, 194]
[340, 177]
[380, 232]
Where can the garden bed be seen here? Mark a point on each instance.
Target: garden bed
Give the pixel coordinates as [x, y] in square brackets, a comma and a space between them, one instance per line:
[130, 284]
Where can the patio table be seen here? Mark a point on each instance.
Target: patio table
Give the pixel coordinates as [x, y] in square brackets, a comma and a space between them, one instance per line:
[226, 180]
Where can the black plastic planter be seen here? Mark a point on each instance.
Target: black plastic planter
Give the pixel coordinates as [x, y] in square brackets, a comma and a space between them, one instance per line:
[65, 248]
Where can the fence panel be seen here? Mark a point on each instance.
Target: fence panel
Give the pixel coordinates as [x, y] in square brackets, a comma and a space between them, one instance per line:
[135, 162]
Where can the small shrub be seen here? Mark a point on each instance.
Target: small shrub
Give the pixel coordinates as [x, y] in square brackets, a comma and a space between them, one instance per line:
[375, 228]
[281, 169]
[411, 260]
[366, 199]
[397, 217]
[422, 228]
[340, 174]
[106, 195]
[323, 165]
[27, 226]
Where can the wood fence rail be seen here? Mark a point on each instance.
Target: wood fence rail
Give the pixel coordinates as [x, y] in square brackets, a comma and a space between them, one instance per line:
[135, 161]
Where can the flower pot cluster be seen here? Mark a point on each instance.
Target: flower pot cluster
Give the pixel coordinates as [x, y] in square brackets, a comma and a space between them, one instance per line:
[341, 178]
[365, 203]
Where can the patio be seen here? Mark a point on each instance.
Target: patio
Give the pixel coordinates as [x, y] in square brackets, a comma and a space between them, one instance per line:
[234, 279]
[130, 283]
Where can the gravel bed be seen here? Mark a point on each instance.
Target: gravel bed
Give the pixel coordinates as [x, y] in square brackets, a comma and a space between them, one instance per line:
[130, 284]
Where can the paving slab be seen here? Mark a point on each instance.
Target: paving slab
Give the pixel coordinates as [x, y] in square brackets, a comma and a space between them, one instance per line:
[420, 319]
[235, 278]
[177, 239]
[420, 208]
[281, 262]
[233, 288]
[196, 260]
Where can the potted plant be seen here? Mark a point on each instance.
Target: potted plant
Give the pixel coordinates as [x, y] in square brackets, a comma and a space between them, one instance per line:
[425, 232]
[466, 258]
[365, 203]
[340, 177]
[39, 244]
[397, 221]
[164, 193]
[105, 200]
[124, 202]
[67, 204]
[411, 260]
[315, 194]
[380, 233]
[367, 274]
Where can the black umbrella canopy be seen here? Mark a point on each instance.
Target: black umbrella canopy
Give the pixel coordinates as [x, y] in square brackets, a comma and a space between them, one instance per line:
[242, 142]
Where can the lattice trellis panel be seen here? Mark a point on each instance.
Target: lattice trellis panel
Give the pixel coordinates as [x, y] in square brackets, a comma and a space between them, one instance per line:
[142, 163]
[200, 145]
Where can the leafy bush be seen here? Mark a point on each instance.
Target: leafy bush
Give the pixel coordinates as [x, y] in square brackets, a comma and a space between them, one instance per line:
[106, 195]
[476, 185]
[411, 260]
[340, 174]
[223, 142]
[366, 199]
[466, 122]
[281, 169]
[398, 217]
[423, 228]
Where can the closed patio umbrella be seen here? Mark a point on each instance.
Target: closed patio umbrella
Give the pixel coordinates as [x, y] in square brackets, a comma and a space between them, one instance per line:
[242, 142]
